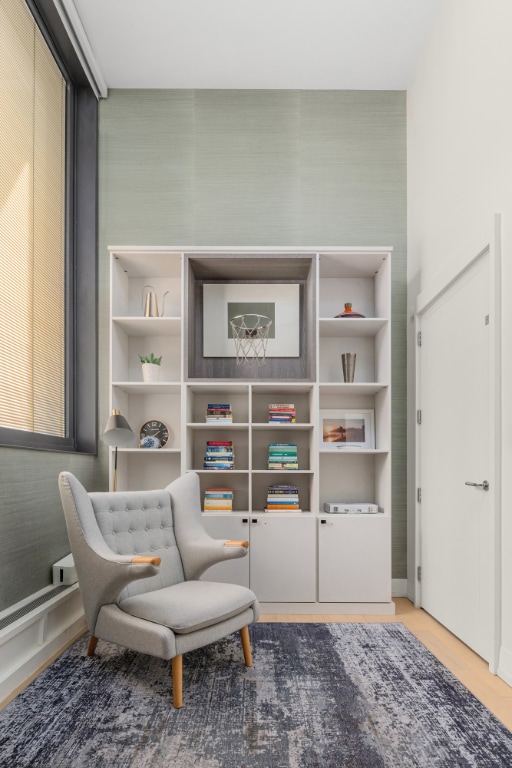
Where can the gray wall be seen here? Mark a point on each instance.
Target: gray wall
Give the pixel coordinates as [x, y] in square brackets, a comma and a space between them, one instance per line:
[290, 168]
[32, 530]
[224, 168]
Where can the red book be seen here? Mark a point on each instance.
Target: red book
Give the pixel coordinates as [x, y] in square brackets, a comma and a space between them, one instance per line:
[219, 442]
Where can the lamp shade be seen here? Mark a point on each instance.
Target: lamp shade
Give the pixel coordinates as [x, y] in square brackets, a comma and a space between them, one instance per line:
[118, 432]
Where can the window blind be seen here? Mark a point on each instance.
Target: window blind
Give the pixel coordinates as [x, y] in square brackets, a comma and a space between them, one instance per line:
[32, 228]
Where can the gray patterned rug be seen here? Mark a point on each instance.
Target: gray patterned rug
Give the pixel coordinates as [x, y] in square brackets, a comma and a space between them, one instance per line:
[318, 696]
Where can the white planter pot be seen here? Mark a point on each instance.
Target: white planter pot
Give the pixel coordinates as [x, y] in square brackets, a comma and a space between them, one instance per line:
[150, 372]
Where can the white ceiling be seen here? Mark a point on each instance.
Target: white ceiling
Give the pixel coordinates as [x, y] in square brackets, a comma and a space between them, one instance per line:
[292, 44]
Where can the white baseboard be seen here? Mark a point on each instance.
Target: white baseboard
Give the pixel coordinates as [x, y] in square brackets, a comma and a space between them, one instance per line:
[319, 609]
[505, 665]
[399, 589]
[33, 640]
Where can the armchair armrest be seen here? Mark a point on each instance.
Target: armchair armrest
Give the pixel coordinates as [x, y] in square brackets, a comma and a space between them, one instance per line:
[197, 548]
[149, 560]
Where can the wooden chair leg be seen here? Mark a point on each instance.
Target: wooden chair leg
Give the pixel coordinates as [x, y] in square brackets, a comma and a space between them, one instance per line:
[93, 642]
[177, 681]
[246, 645]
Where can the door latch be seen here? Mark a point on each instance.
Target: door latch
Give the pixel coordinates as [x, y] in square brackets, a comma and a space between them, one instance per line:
[484, 486]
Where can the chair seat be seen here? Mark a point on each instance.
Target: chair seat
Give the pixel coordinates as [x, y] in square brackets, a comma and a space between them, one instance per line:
[190, 605]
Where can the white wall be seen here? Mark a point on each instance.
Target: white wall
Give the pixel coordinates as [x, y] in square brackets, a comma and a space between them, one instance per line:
[459, 116]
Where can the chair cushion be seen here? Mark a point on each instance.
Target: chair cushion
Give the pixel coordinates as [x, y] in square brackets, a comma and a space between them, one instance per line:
[190, 605]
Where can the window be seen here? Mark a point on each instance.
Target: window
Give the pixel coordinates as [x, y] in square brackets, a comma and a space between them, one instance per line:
[45, 234]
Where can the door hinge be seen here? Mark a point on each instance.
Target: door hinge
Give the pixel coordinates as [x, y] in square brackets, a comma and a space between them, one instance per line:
[418, 572]
[418, 495]
[418, 416]
[418, 338]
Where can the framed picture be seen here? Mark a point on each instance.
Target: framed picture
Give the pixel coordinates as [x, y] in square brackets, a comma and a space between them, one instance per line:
[347, 429]
[279, 302]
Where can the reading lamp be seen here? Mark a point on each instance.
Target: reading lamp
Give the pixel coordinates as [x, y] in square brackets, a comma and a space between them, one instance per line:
[118, 433]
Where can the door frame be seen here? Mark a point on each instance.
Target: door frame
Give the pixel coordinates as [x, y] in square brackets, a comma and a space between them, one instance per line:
[489, 244]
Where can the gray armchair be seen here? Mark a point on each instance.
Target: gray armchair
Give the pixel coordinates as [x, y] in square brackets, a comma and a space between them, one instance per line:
[139, 556]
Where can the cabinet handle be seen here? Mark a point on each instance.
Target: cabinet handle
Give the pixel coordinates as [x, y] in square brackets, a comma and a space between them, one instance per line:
[245, 519]
[323, 522]
[254, 520]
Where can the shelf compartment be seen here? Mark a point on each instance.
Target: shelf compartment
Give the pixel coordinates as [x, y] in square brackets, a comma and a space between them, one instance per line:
[300, 397]
[140, 405]
[148, 263]
[262, 438]
[126, 348]
[132, 271]
[368, 365]
[237, 480]
[144, 469]
[257, 268]
[262, 481]
[356, 278]
[199, 397]
[355, 478]
[196, 442]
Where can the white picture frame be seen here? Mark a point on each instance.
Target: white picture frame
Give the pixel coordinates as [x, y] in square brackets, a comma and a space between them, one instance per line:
[343, 429]
[279, 301]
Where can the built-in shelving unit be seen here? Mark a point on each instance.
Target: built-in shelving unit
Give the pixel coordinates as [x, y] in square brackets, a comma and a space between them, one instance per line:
[306, 561]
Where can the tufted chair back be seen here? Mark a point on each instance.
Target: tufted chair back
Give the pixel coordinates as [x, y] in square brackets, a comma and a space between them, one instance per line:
[140, 523]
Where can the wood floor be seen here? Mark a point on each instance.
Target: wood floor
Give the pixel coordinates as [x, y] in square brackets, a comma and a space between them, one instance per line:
[469, 668]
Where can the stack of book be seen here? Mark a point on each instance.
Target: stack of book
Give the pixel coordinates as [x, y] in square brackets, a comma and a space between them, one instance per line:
[282, 413]
[219, 413]
[218, 499]
[283, 456]
[283, 498]
[219, 455]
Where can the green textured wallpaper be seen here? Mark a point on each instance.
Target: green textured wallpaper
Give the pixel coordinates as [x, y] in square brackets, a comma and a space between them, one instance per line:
[261, 168]
[305, 168]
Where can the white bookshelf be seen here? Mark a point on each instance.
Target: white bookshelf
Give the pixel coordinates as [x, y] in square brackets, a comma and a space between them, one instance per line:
[298, 562]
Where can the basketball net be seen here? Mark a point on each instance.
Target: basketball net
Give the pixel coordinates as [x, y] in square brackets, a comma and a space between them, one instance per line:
[250, 333]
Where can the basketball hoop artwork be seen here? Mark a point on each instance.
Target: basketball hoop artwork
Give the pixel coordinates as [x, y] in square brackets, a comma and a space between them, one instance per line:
[250, 333]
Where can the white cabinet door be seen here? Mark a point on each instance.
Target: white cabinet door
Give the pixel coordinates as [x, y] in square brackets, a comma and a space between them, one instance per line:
[354, 559]
[283, 561]
[234, 527]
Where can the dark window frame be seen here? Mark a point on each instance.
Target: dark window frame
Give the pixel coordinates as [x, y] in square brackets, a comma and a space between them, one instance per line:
[81, 249]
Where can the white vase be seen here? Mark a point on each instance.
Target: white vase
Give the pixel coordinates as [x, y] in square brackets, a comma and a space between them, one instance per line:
[150, 372]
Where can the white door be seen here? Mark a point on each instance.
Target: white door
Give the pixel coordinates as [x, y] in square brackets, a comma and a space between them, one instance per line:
[456, 447]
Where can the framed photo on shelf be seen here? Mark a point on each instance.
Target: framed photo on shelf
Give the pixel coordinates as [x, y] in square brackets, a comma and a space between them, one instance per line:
[280, 302]
[347, 429]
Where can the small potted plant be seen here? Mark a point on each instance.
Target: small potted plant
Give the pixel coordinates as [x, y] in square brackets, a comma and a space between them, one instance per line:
[150, 367]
